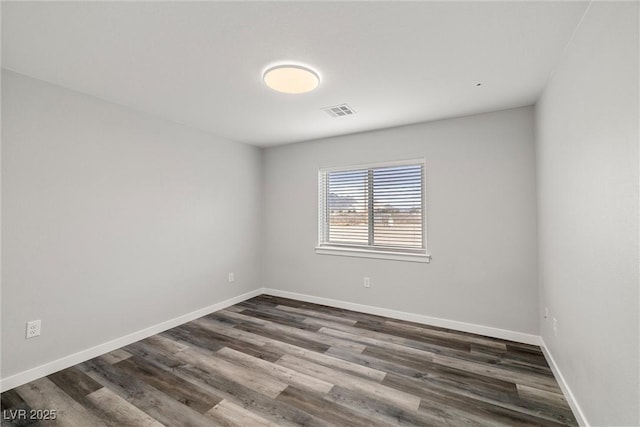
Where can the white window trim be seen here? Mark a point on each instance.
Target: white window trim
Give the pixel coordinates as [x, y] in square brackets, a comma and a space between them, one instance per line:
[421, 255]
[370, 253]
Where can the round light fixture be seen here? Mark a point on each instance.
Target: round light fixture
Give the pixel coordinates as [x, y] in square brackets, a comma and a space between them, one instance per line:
[291, 79]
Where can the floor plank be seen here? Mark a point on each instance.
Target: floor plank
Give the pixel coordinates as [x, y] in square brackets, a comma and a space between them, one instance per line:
[117, 412]
[226, 413]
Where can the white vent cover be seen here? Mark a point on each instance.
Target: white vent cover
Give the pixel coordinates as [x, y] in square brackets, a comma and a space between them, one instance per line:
[339, 110]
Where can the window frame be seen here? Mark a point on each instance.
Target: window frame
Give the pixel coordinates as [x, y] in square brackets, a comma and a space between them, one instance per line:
[366, 251]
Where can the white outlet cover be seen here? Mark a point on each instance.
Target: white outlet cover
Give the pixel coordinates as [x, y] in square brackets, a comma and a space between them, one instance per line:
[33, 328]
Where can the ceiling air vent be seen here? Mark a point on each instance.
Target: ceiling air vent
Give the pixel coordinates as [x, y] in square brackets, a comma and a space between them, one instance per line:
[339, 110]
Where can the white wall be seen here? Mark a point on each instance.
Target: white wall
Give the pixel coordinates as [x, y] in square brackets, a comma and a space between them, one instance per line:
[114, 220]
[587, 147]
[481, 214]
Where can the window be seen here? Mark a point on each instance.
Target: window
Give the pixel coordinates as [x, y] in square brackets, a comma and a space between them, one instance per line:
[375, 211]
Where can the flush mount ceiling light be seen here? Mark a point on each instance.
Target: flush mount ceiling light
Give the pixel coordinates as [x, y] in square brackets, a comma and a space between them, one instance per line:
[291, 79]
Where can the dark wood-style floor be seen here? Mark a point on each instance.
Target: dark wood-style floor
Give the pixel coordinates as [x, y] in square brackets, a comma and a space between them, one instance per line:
[278, 362]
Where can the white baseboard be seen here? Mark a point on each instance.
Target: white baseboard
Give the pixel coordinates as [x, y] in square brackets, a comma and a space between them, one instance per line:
[566, 390]
[412, 317]
[84, 355]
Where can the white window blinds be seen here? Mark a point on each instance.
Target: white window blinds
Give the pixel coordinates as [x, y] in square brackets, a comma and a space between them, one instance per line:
[378, 207]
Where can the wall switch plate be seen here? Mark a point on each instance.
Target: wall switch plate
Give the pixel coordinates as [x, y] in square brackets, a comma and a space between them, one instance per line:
[231, 278]
[367, 282]
[33, 328]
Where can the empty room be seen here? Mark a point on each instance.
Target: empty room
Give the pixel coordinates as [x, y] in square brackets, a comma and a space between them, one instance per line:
[320, 213]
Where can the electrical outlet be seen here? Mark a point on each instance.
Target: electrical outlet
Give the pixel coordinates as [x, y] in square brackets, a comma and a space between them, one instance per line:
[33, 328]
[367, 282]
[555, 327]
[231, 278]
[546, 313]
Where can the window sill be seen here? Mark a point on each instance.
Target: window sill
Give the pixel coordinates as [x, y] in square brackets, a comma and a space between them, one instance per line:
[368, 253]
